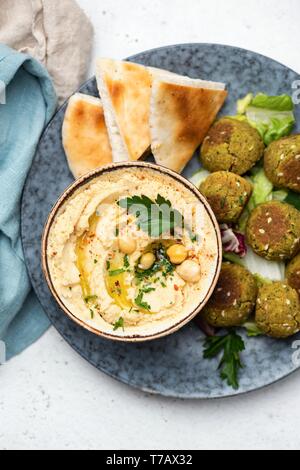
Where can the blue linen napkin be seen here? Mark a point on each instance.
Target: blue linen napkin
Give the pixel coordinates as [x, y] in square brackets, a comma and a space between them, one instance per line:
[30, 104]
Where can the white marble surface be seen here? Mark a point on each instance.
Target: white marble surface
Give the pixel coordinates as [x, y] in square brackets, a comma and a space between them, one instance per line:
[49, 397]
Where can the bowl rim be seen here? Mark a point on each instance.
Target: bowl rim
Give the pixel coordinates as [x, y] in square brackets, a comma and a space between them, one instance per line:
[82, 181]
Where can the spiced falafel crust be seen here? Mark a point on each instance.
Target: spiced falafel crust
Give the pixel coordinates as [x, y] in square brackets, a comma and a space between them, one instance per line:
[277, 310]
[273, 231]
[231, 145]
[293, 273]
[282, 163]
[228, 194]
[233, 299]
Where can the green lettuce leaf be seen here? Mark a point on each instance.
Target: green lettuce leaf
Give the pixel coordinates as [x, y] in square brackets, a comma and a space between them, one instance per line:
[262, 192]
[280, 195]
[275, 103]
[262, 188]
[272, 116]
[243, 104]
[252, 329]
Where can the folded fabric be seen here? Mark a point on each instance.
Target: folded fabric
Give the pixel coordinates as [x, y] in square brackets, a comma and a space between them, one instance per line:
[56, 32]
[26, 106]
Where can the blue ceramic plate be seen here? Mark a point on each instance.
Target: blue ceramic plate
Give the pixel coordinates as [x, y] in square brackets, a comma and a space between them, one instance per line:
[172, 366]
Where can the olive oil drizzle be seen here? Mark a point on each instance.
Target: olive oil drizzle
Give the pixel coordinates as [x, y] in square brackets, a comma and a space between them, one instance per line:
[81, 254]
[116, 285]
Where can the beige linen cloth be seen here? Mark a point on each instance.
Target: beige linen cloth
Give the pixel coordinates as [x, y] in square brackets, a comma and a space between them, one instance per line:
[56, 32]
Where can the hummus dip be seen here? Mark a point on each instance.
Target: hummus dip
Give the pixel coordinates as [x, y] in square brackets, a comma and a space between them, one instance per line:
[119, 267]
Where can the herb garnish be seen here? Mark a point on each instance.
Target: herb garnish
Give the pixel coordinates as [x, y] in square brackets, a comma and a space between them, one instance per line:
[231, 345]
[194, 237]
[90, 298]
[146, 290]
[140, 298]
[162, 263]
[119, 324]
[116, 272]
[126, 262]
[140, 302]
[153, 217]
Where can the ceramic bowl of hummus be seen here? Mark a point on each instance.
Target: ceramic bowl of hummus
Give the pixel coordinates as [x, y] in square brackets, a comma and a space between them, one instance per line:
[132, 252]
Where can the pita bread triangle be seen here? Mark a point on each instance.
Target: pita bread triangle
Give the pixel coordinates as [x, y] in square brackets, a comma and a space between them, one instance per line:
[125, 89]
[85, 137]
[182, 111]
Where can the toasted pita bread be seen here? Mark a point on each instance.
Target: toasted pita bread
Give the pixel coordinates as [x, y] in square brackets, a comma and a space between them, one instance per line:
[125, 89]
[182, 111]
[85, 138]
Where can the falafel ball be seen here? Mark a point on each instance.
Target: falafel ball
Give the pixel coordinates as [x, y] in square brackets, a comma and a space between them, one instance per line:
[277, 310]
[228, 194]
[231, 145]
[233, 299]
[282, 163]
[273, 231]
[292, 273]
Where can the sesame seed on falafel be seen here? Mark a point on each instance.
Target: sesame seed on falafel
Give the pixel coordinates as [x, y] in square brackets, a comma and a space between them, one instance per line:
[282, 163]
[231, 145]
[278, 310]
[273, 231]
[233, 299]
[228, 194]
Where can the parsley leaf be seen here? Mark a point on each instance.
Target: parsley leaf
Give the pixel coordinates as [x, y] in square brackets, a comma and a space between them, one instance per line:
[140, 301]
[90, 298]
[119, 324]
[153, 217]
[231, 345]
[146, 290]
[116, 272]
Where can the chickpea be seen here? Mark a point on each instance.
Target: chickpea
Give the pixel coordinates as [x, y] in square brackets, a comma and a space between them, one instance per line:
[177, 253]
[147, 261]
[189, 271]
[127, 245]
